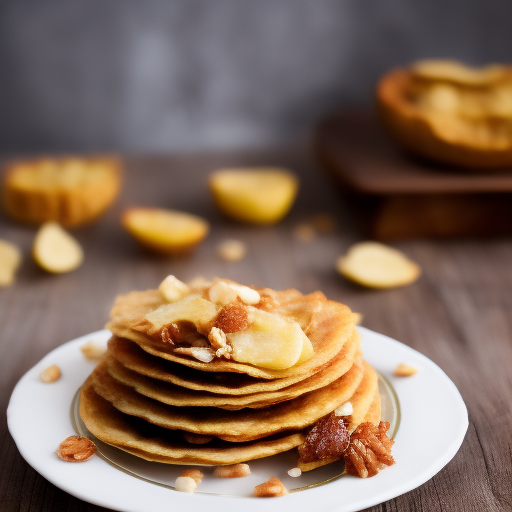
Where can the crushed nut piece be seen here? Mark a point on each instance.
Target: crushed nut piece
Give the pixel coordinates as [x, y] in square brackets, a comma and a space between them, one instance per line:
[76, 449]
[205, 355]
[217, 338]
[232, 250]
[345, 409]
[224, 352]
[223, 293]
[295, 472]
[404, 370]
[192, 438]
[369, 450]
[182, 332]
[234, 471]
[93, 350]
[50, 374]
[328, 438]
[195, 474]
[185, 484]
[233, 317]
[172, 289]
[271, 488]
[304, 232]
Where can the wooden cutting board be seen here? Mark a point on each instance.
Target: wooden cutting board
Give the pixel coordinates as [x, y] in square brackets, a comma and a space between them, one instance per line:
[399, 196]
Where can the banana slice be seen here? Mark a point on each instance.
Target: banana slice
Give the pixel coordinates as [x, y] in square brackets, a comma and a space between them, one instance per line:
[165, 231]
[377, 266]
[55, 250]
[257, 195]
[10, 259]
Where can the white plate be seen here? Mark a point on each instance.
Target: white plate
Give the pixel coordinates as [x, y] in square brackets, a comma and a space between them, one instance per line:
[40, 416]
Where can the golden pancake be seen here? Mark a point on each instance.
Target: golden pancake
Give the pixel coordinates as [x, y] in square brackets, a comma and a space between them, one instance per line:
[176, 395]
[246, 424]
[157, 444]
[330, 325]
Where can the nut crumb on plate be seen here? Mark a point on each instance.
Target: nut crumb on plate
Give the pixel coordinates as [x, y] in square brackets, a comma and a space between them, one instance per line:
[232, 250]
[185, 484]
[50, 374]
[195, 474]
[93, 350]
[76, 449]
[404, 370]
[233, 471]
[295, 472]
[271, 488]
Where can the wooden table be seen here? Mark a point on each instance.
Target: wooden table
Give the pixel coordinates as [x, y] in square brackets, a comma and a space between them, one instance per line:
[458, 313]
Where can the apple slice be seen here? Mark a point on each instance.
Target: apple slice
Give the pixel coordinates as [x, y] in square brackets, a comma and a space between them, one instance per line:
[10, 259]
[377, 266]
[257, 196]
[55, 250]
[165, 231]
[192, 309]
[270, 342]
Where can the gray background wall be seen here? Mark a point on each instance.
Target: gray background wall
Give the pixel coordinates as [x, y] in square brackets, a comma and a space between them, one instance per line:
[163, 75]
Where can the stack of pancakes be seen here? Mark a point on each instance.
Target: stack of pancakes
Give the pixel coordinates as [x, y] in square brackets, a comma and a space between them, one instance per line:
[165, 406]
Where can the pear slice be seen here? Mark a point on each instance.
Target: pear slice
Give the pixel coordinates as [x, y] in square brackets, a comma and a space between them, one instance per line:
[377, 266]
[255, 195]
[55, 250]
[10, 259]
[270, 342]
[165, 231]
[193, 308]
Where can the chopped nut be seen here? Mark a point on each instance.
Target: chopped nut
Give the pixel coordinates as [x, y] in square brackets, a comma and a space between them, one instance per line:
[224, 352]
[93, 350]
[234, 471]
[369, 450]
[295, 472]
[192, 438]
[76, 449]
[271, 488]
[233, 317]
[217, 337]
[223, 293]
[329, 438]
[304, 232]
[267, 302]
[232, 250]
[195, 474]
[185, 484]
[172, 289]
[345, 409]
[205, 355]
[50, 374]
[404, 370]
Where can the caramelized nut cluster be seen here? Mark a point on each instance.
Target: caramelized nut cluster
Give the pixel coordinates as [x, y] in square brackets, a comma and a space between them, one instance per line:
[369, 450]
[327, 439]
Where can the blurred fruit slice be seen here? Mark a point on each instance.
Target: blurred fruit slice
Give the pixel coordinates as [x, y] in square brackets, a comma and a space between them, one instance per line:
[165, 231]
[377, 266]
[55, 250]
[257, 195]
[10, 259]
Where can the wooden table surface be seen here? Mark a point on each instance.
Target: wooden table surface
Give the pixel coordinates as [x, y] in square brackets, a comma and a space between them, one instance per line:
[458, 313]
